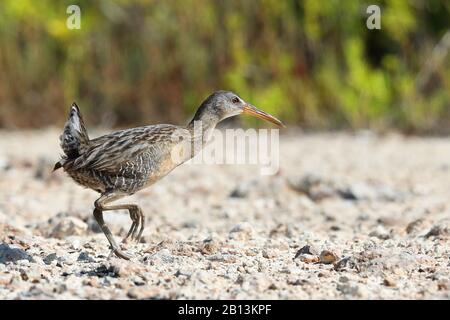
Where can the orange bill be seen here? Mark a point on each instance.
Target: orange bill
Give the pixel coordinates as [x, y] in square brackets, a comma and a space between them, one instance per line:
[252, 110]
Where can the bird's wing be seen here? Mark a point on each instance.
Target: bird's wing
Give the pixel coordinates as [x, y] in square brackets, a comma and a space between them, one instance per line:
[107, 153]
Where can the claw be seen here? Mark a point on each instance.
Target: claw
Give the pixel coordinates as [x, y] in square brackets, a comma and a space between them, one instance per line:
[121, 254]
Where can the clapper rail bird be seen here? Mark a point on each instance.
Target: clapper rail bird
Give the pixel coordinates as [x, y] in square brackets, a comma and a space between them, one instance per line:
[126, 161]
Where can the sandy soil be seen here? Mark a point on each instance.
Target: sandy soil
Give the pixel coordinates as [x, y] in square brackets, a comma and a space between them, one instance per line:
[354, 216]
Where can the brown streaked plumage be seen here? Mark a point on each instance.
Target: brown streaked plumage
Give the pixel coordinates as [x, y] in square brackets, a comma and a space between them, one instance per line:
[123, 162]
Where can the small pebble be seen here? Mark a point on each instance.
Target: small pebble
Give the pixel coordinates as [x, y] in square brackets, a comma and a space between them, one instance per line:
[328, 257]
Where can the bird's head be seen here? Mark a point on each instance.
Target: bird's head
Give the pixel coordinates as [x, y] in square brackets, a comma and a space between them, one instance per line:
[225, 104]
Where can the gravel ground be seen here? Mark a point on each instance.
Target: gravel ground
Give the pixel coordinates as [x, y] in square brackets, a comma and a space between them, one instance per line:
[349, 216]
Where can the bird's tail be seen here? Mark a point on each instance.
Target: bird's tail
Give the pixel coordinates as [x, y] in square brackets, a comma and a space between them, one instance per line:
[74, 139]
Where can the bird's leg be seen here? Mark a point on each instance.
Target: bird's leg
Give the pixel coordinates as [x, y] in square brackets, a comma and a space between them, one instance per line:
[142, 224]
[98, 214]
[140, 216]
[133, 227]
[136, 216]
[100, 206]
[138, 220]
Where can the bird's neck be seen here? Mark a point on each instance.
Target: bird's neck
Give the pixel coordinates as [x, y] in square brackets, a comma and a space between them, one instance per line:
[201, 129]
[202, 126]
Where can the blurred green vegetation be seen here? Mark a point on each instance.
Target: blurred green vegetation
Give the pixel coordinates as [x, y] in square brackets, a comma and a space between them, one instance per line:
[311, 63]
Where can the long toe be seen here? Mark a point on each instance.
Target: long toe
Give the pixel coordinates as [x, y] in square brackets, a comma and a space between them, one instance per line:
[135, 233]
[139, 235]
[122, 254]
[130, 232]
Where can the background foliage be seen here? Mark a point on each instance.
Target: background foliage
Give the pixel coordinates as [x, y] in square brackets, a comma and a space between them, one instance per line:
[312, 63]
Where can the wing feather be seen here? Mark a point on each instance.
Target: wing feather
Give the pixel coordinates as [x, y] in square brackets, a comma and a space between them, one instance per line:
[108, 153]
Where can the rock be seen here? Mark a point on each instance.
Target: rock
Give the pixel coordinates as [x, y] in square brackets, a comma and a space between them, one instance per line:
[84, 256]
[439, 275]
[92, 282]
[305, 183]
[357, 192]
[162, 256]
[440, 230]
[389, 282]
[5, 279]
[183, 273]
[42, 169]
[119, 268]
[30, 274]
[69, 226]
[443, 285]
[4, 163]
[165, 244]
[242, 231]
[362, 191]
[307, 250]
[317, 188]
[381, 233]
[143, 292]
[93, 225]
[294, 281]
[13, 253]
[49, 258]
[390, 221]
[256, 282]
[209, 246]
[23, 262]
[328, 257]
[387, 193]
[348, 289]
[13, 235]
[346, 263]
[363, 217]
[309, 258]
[307, 254]
[314, 186]
[75, 243]
[415, 226]
[106, 270]
[190, 224]
[218, 257]
[379, 262]
[272, 286]
[241, 191]
[251, 252]
[184, 249]
[281, 230]
[269, 253]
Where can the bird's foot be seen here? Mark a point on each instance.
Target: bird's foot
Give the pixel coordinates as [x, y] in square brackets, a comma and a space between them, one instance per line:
[120, 254]
[134, 238]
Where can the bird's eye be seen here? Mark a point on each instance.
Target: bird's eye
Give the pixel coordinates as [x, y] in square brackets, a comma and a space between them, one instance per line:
[235, 100]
